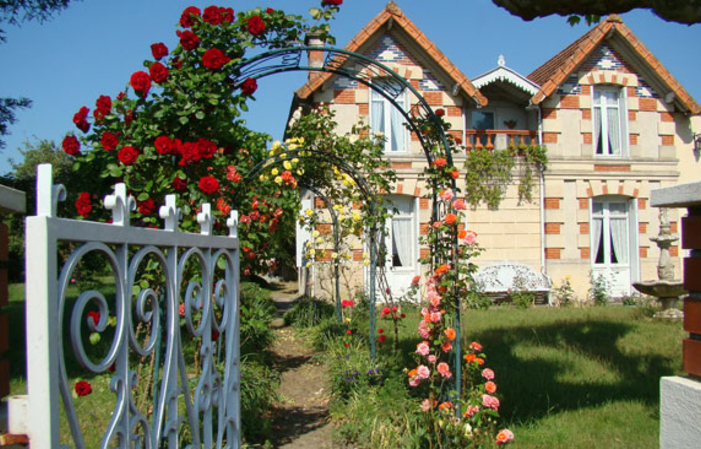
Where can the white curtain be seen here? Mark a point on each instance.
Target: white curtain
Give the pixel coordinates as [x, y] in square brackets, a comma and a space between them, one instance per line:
[397, 128]
[597, 226]
[402, 241]
[619, 239]
[614, 131]
[377, 113]
[597, 130]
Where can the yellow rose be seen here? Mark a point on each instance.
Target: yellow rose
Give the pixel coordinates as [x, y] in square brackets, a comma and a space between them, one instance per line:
[287, 165]
[274, 172]
[278, 180]
[309, 212]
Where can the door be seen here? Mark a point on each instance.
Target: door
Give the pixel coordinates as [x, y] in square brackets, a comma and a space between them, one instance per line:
[401, 243]
[611, 244]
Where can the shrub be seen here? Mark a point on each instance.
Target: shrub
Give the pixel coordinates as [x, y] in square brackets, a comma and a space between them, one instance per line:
[563, 295]
[599, 291]
[308, 312]
[257, 311]
[258, 394]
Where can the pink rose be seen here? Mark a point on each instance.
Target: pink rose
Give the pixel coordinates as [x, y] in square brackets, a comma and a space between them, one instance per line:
[488, 374]
[459, 204]
[471, 410]
[432, 359]
[490, 402]
[423, 372]
[436, 317]
[425, 405]
[505, 436]
[447, 195]
[423, 348]
[424, 331]
[470, 238]
[444, 370]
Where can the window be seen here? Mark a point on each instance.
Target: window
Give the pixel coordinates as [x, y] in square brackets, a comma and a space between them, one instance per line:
[386, 118]
[482, 121]
[610, 121]
[610, 233]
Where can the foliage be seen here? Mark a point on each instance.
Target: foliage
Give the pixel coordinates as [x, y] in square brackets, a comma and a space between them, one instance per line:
[257, 311]
[563, 294]
[179, 128]
[490, 172]
[8, 106]
[599, 292]
[308, 312]
[259, 385]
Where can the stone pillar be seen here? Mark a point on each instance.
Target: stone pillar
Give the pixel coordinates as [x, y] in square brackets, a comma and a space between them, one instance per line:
[680, 397]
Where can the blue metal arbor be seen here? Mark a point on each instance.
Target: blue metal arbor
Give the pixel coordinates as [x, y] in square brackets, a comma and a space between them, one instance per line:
[389, 85]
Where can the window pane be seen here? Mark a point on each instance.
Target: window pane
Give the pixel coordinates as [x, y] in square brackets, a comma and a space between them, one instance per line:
[482, 120]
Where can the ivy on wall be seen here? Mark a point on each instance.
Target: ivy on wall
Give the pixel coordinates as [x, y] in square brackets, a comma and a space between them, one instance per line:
[490, 172]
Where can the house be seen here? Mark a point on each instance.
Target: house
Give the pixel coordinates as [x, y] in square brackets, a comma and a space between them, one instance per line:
[615, 122]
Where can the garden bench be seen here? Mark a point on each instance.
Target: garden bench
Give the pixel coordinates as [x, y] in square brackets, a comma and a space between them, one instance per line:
[501, 279]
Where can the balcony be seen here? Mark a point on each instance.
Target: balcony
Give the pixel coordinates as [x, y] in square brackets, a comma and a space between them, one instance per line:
[499, 138]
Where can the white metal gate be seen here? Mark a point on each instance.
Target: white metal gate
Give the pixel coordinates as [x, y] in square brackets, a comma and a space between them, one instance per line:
[208, 405]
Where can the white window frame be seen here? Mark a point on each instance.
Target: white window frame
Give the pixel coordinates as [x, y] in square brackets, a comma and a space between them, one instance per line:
[605, 215]
[388, 110]
[598, 90]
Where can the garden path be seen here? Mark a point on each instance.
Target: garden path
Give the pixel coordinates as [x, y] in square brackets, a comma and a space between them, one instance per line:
[301, 420]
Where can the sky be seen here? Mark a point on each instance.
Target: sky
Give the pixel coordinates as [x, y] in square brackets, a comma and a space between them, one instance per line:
[94, 46]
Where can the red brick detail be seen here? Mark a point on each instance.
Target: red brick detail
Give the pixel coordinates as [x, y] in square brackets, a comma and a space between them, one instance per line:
[357, 255]
[414, 84]
[414, 137]
[423, 228]
[417, 191]
[598, 167]
[620, 189]
[590, 192]
[552, 253]
[552, 203]
[363, 109]
[666, 116]
[643, 252]
[587, 138]
[584, 253]
[585, 89]
[552, 228]
[635, 192]
[344, 96]
[423, 203]
[692, 316]
[324, 228]
[674, 251]
[324, 255]
[583, 203]
[364, 132]
[401, 164]
[586, 114]
[667, 140]
[691, 355]
[457, 134]
[642, 227]
[400, 189]
[424, 253]
[584, 228]
[632, 116]
[673, 227]
[569, 102]
[319, 203]
[454, 111]
[362, 86]
[550, 137]
[434, 98]
[605, 189]
[647, 104]
[642, 203]
[633, 139]
[549, 113]
[631, 92]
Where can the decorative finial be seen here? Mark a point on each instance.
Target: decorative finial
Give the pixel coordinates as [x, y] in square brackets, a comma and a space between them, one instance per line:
[233, 223]
[170, 213]
[120, 204]
[48, 194]
[204, 218]
[393, 8]
[501, 61]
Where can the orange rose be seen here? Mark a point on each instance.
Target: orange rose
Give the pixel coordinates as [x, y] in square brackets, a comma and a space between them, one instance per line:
[412, 373]
[490, 387]
[442, 269]
[470, 358]
[450, 333]
[445, 405]
[450, 219]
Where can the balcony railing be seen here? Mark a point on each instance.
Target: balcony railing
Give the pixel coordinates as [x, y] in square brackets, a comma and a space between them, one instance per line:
[499, 138]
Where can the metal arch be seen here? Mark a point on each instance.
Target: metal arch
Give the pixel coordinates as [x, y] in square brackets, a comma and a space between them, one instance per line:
[364, 70]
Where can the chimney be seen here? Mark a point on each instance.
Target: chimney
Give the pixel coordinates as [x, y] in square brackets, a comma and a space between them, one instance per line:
[315, 58]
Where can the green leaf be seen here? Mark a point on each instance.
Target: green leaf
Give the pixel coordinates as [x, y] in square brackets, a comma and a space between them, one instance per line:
[95, 338]
[142, 196]
[315, 13]
[199, 115]
[184, 120]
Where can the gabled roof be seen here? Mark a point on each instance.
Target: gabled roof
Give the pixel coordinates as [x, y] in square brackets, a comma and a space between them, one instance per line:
[505, 74]
[556, 70]
[394, 16]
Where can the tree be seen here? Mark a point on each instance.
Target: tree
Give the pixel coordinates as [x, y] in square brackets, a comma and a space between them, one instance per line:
[682, 11]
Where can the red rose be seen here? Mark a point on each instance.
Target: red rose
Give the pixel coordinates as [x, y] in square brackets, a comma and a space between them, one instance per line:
[95, 315]
[214, 59]
[158, 72]
[227, 14]
[83, 388]
[159, 50]
[272, 227]
[103, 106]
[176, 63]
[146, 207]
[190, 153]
[269, 10]
[71, 145]
[179, 184]
[82, 204]
[454, 173]
[440, 112]
[332, 2]
[206, 148]
[249, 86]
[164, 145]
[382, 338]
[188, 40]
[80, 119]
[109, 141]
[212, 15]
[141, 83]
[127, 155]
[255, 25]
[208, 185]
[186, 20]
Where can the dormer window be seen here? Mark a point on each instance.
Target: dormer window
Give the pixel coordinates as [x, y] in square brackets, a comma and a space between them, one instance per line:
[610, 121]
[387, 119]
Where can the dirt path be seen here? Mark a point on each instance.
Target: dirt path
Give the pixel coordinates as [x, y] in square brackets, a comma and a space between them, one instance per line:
[301, 420]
